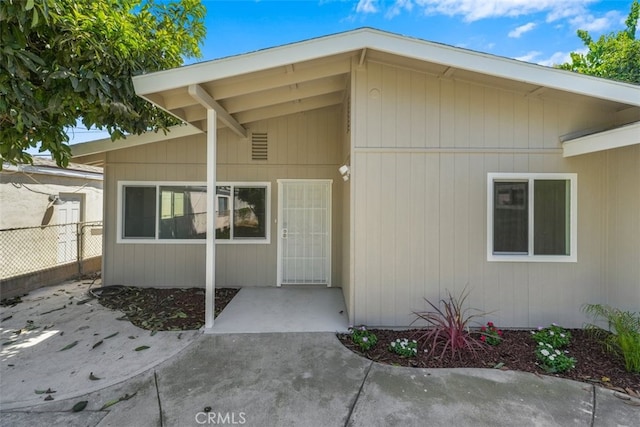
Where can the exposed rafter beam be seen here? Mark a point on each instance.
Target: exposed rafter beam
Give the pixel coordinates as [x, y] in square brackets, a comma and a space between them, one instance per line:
[363, 57]
[223, 90]
[284, 94]
[200, 95]
[290, 107]
[448, 72]
[537, 91]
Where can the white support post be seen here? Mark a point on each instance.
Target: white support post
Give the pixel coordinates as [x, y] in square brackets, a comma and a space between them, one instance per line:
[210, 258]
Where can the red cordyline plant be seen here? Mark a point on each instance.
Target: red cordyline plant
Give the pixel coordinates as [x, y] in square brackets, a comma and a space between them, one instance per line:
[448, 327]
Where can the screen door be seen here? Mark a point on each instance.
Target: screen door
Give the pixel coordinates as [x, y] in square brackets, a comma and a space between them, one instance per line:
[304, 232]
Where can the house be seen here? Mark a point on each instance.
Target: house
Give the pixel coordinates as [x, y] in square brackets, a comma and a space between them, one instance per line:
[43, 211]
[394, 168]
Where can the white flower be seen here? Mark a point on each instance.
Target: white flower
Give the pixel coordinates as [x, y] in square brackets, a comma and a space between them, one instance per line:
[544, 352]
[562, 335]
[365, 339]
[551, 333]
[393, 344]
[552, 357]
[558, 352]
[540, 343]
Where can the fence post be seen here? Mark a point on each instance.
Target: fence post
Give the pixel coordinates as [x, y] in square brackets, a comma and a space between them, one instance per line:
[80, 246]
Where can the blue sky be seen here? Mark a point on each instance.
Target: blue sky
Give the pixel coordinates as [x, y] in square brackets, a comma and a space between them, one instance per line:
[539, 31]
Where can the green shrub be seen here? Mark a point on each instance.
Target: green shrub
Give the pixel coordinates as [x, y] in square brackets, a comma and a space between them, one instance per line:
[553, 360]
[623, 335]
[554, 335]
[404, 347]
[363, 338]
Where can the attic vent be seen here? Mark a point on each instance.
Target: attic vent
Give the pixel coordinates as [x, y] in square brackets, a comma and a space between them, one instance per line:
[259, 147]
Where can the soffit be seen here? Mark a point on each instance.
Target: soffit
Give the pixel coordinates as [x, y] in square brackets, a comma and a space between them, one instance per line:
[316, 74]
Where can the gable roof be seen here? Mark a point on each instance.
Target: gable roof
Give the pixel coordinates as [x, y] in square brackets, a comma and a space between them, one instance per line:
[315, 73]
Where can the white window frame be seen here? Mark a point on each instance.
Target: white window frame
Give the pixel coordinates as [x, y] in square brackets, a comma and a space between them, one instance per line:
[530, 178]
[235, 241]
[120, 239]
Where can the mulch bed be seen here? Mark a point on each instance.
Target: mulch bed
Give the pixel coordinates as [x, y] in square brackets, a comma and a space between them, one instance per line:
[515, 352]
[162, 309]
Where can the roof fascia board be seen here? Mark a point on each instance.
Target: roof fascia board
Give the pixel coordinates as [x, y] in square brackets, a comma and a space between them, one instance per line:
[44, 170]
[105, 145]
[614, 138]
[394, 44]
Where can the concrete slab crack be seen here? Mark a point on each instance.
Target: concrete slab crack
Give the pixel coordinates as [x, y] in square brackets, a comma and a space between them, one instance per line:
[593, 404]
[353, 405]
[155, 377]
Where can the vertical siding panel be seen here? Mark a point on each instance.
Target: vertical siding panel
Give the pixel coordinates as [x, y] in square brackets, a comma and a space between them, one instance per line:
[477, 225]
[433, 113]
[433, 190]
[447, 113]
[373, 98]
[388, 236]
[390, 97]
[403, 109]
[476, 117]
[417, 220]
[521, 122]
[536, 123]
[460, 213]
[372, 218]
[447, 225]
[491, 118]
[506, 120]
[404, 230]
[417, 122]
[461, 115]
[550, 125]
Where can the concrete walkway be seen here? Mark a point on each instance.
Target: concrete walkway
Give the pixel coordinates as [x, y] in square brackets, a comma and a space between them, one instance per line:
[284, 309]
[292, 379]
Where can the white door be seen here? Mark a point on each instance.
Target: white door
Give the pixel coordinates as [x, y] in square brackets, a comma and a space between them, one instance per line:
[304, 232]
[68, 214]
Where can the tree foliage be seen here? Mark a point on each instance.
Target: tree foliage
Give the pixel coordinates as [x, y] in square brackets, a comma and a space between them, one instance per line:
[615, 56]
[65, 60]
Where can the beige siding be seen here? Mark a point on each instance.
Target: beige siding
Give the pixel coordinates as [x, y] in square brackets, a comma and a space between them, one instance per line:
[623, 224]
[305, 146]
[419, 199]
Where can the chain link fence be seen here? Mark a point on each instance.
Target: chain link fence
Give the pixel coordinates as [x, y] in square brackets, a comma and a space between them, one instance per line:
[33, 249]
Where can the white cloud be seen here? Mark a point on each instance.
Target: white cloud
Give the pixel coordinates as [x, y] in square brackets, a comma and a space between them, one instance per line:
[589, 22]
[516, 33]
[555, 59]
[367, 6]
[473, 10]
[529, 57]
[398, 6]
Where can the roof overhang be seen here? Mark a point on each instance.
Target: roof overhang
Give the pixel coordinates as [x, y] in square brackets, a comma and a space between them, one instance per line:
[606, 140]
[315, 73]
[104, 145]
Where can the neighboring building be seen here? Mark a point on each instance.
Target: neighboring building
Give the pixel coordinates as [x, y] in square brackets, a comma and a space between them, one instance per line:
[44, 194]
[392, 167]
[43, 210]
